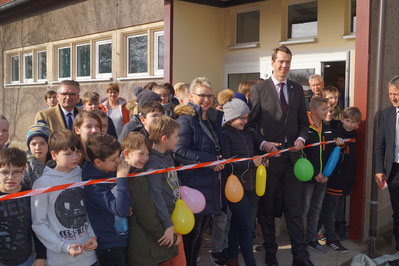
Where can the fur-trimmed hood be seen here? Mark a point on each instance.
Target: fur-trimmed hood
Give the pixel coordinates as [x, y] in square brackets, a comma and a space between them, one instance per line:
[184, 110]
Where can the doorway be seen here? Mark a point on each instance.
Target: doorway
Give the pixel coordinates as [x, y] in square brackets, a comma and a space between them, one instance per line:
[334, 75]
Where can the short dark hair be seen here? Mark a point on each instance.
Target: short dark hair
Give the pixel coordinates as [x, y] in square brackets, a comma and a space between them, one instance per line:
[85, 114]
[151, 107]
[100, 113]
[68, 82]
[112, 86]
[170, 88]
[64, 139]
[281, 48]
[49, 94]
[316, 101]
[149, 86]
[90, 97]
[12, 156]
[162, 126]
[352, 113]
[101, 146]
[134, 141]
[329, 89]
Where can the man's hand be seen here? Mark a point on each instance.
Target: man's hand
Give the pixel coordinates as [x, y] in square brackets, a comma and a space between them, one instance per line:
[39, 262]
[75, 249]
[168, 237]
[321, 178]
[379, 178]
[298, 144]
[270, 146]
[91, 244]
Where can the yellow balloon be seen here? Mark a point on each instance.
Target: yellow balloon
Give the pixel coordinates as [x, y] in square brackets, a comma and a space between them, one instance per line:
[260, 180]
[234, 190]
[182, 218]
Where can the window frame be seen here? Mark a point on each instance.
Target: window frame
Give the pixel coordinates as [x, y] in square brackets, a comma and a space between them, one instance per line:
[97, 60]
[58, 62]
[24, 79]
[76, 61]
[141, 74]
[289, 31]
[157, 70]
[19, 69]
[38, 65]
[236, 26]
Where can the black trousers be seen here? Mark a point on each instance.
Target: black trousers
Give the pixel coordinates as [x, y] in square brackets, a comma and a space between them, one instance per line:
[112, 256]
[280, 176]
[393, 187]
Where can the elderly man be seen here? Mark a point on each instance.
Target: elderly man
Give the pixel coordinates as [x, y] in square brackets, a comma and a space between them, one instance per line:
[316, 83]
[62, 116]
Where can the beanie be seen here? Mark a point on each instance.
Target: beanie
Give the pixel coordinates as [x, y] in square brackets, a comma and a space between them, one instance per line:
[39, 129]
[146, 96]
[234, 109]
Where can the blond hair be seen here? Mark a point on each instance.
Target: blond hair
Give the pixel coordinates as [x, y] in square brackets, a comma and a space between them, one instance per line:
[162, 126]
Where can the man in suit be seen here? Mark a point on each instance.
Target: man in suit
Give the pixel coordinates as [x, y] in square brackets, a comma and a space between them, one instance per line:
[62, 116]
[387, 151]
[278, 114]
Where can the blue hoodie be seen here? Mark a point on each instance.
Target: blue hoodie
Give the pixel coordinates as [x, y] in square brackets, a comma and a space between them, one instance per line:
[107, 213]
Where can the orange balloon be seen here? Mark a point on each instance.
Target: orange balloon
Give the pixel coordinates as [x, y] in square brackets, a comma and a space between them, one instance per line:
[234, 190]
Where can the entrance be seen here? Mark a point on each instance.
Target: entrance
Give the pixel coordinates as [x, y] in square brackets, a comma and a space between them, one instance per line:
[334, 75]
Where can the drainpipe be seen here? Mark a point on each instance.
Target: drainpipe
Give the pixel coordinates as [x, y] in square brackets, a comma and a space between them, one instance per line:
[377, 106]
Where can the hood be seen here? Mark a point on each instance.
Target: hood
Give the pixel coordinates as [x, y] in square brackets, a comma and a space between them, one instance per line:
[184, 110]
[121, 101]
[55, 175]
[89, 171]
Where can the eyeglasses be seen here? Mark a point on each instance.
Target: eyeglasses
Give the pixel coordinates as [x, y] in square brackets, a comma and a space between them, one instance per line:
[113, 92]
[71, 94]
[16, 173]
[203, 96]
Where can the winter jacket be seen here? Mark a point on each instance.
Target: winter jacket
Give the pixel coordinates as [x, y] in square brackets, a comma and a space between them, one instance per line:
[196, 145]
[134, 125]
[107, 212]
[34, 170]
[122, 103]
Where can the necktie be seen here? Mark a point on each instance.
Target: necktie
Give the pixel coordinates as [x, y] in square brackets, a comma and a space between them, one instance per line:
[283, 102]
[70, 124]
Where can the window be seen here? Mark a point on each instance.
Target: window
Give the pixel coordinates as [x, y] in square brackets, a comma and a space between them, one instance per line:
[41, 65]
[247, 27]
[14, 63]
[302, 20]
[82, 61]
[64, 63]
[235, 79]
[353, 15]
[104, 59]
[301, 76]
[137, 55]
[27, 67]
[158, 53]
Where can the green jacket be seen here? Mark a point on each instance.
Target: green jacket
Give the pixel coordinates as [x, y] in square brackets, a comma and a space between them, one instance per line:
[145, 228]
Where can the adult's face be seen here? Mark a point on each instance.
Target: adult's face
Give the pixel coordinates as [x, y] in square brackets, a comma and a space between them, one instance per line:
[394, 95]
[316, 86]
[281, 65]
[113, 95]
[67, 97]
[202, 96]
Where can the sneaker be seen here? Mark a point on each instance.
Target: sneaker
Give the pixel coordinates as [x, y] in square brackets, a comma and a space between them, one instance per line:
[315, 245]
[337, 246]
[218, 258]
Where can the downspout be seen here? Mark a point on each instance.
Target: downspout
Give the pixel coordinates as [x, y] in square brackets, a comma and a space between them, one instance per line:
[377, 106]
[168, 38]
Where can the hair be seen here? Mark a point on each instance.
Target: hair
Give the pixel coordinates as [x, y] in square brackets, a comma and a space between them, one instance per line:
[101, 146]
[200, 81]
[149, 86]
[134, 141]
[394, 82]
[316, 76]
[2, 117]
[245, 86]
[64, 139]
[181, 87]
[12, 156]
[112, 86]
[281, 48]
[83, 115]
[170, 88]
[151, 107]
[259, 80]
[162, 126]
[49, 94]
[352, 113]
[68, 82]
[160, 87]
[329, 89]
[316, 101]
[90, 97]
[100, 113]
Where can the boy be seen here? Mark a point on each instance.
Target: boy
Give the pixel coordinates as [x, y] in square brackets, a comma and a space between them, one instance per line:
[60, 218]
[314, 190]
[3, 132]
[145, 227]
[51, 98]
[15, 214]
[107, 204]
[332, 94]
[343, 178]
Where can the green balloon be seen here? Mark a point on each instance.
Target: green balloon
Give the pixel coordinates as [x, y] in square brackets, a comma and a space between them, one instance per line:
[303, 169]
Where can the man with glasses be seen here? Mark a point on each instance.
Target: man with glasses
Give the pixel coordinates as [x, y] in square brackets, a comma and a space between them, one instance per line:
[62, 116]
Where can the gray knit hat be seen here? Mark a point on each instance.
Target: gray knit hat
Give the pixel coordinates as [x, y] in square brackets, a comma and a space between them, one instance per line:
[146, 96]
[39, 129]
[235, 108]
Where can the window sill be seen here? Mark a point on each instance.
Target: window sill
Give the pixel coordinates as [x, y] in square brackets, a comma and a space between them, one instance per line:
[25, 84]
[84, 80]
[349, 36]
[297, 41]
[139, 77]
[243, 46]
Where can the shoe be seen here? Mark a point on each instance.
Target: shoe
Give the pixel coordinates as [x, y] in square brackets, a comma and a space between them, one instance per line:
[302, 263]
[270, 259]
[337, 246]
[218, 258]
[198, 258]
[233, 262]
[315, 246]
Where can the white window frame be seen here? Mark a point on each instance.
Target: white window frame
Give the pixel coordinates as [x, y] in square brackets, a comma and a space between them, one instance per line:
[38, 65]
[58, 62]
[142, 74]
[97, 66]
[24, 79]
[157, 70]
[236, 24]
[19, 69]
[76, 62]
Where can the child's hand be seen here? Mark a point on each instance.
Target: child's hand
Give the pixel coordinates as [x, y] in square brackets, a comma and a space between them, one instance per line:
[321, 178]
[339, 141]
[91, 244]
[257, 161]
[178, 240]
[75, 249]
[218, 167]
[123, 168]
[168, 237]
[39, 262]
[130, 211]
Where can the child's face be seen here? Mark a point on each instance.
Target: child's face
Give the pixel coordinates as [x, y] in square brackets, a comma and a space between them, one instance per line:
[91, 106]
[104, 123]
[149, 118]
[3, 132]
[109, 164]
[349, 124]
[330, 114]
[137, 158]
[39, 147]
[239, 123]
[332, 99]
[170, 142]
[11, 178]
[320, 112]
[90, 126]
[164, 94]
[52, 100]
[66, 160]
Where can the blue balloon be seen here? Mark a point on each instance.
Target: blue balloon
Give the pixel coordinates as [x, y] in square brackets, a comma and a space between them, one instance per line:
[332, 162]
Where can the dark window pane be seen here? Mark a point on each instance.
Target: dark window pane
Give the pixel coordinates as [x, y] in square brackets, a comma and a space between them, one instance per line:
[15, 68]
[137, 54]
[42, 65]
[28, 66]
[235, 79]
[353, 15]
[105, 58]
[160, 51]
[302, 20]
[248, 27]
[83, 60]
[301, 76]
[64, 62]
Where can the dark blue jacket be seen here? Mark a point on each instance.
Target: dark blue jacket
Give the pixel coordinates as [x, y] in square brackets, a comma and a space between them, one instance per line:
[196, 145]
[102, 207]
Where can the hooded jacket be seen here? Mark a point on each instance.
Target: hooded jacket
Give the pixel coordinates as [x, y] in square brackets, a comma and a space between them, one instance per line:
[122, 103]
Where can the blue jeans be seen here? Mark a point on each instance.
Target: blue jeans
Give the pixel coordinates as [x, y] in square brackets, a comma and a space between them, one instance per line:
[312, 199]
[112, 256]
[241, 228]
[28, 262]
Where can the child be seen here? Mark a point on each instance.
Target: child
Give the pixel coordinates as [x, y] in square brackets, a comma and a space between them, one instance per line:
[164, 188]
[330, 115]
[60, 218]
[244, 89]
[51, 98]
[3, 132]
[145, 226]
[15, 215]
[38, 154]
[314, 190]
[164, 93]
[343, 178]
[332, 94]
[182, 92]
[107, 204]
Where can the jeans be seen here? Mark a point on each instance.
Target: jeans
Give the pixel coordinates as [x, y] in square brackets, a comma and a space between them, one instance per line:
[112, 256]
[330, 207]
[312, 198]
[241, 228]
[220, 230]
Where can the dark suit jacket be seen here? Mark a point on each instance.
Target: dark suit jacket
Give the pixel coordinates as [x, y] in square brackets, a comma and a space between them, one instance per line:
[266, 113]
[54, 117]
[385, 141]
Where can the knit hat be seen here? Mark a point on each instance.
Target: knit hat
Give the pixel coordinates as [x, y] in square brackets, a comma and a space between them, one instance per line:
[39, 129]
[146, 96]
[137, 90]
[232, 107]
